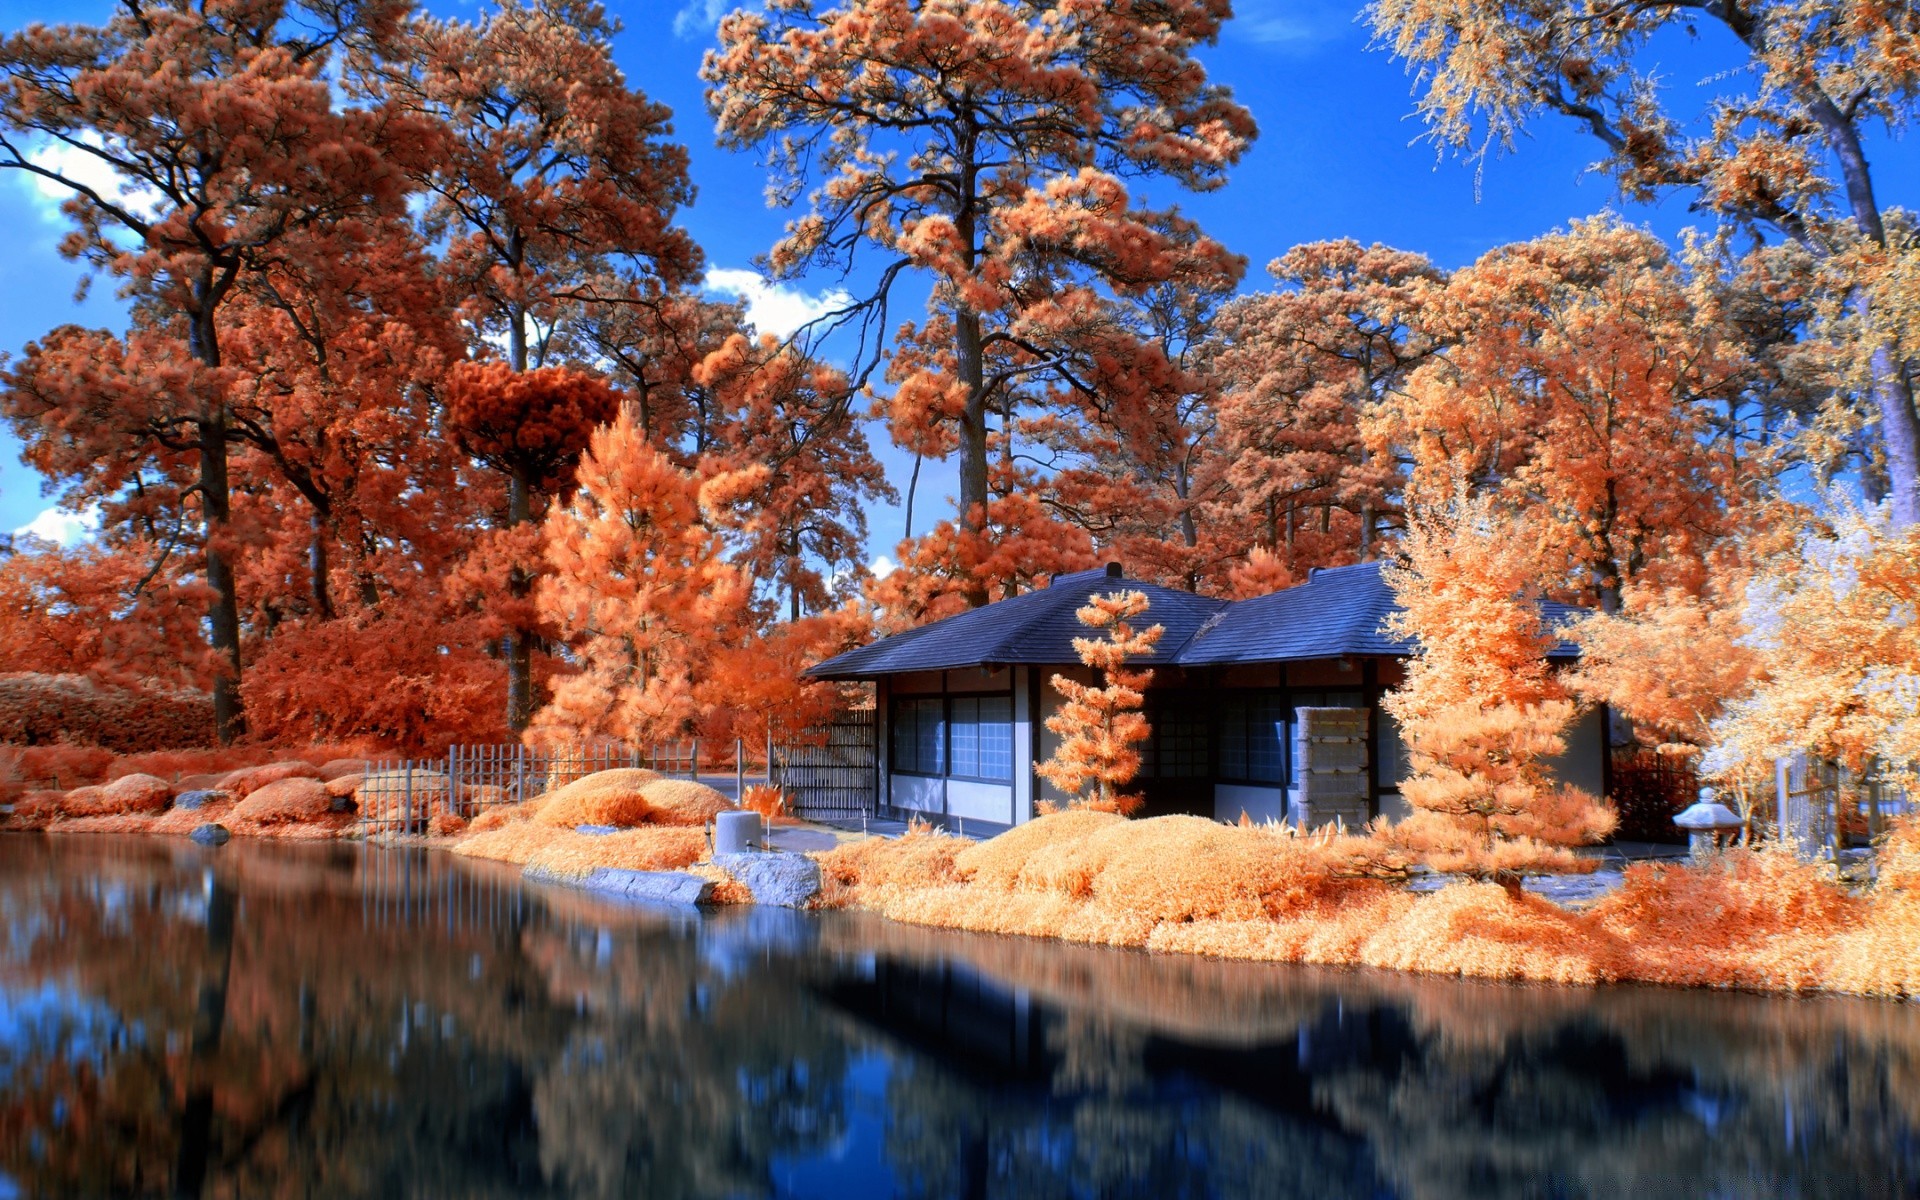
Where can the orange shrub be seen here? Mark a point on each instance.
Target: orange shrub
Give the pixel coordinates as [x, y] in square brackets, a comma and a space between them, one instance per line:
[1183, 884]
[627, 797]
[335, 768]
[46, 709]
[603, 798]
[683, 802]
[550, 848]
[765, 799]
[291, 800]
[63, 764]
[33, 811]
[919, 859]
[447, 824]
[247, 780]
[395, 798]
[1748, 919]
[181, 821]
[130, 794]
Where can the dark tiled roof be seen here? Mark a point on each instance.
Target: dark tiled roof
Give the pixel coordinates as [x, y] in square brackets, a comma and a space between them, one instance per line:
[1338, 611]
[1034, 627]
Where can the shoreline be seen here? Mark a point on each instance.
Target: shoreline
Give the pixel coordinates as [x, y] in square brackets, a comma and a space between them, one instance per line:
[1461, 929]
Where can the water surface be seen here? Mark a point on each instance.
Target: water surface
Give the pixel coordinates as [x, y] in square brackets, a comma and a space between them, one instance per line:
[269, 1020]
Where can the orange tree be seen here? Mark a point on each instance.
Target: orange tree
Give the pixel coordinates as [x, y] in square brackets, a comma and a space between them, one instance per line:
[1480, 712]
[980, 145]
[1100, 727]
[217, 127]
[1788, 154]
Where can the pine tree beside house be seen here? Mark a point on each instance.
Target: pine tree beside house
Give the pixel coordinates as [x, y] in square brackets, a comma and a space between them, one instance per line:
[1102, 726]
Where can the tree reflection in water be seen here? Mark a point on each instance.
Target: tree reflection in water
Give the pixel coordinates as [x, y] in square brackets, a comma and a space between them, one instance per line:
[297, 1020]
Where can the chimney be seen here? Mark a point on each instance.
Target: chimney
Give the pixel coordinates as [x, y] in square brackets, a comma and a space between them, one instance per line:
[1113, 570]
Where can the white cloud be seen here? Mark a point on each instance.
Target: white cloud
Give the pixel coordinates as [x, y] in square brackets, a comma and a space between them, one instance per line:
[88, 170]
[61, 527]
[883, 566]
[697, 18]
[1292, 26]
[775, 308]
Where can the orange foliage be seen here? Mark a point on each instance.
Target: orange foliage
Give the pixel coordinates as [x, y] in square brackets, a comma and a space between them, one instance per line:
[604, 798]
[1480, 714]
[1575, 391]
[642, 593]
[1297, 368]
[247, 780]
[130, 794]
[1023, 254]
[1100, 726]
[405, 800]
[1183, 884]
[766, 799]
[293, 799]
[1670, 661]
[391, 681]
[543, 847]
[1014, 543]
[39, 709]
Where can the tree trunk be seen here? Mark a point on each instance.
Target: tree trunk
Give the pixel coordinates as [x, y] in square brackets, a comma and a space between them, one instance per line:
[519, 641]
[195, 1148]
[317, 568]
[1892, 391]
[973, 437]
[216, 507]
[519, 583]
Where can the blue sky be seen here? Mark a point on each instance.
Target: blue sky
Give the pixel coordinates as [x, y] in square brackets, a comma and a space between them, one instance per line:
[1338, 156]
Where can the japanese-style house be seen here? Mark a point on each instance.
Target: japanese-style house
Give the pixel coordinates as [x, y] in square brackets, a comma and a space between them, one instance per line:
[1245, 694]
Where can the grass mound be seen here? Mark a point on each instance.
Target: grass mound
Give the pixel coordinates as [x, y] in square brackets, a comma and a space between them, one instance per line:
[404, 800]
[335, 768]
[128, 795]
[628, 797]
[683, 802]
[293, 800]
[921, 858]
[1756, 920]
[550, 848]
[248, 780]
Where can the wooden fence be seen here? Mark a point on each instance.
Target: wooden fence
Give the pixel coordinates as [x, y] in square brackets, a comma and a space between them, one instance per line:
[835, 772]
[832, 771]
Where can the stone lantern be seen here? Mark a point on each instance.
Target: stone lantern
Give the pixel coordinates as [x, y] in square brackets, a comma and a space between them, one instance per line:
[1707, 822]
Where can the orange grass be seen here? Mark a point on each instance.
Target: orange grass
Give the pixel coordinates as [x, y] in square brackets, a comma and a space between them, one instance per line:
[548, 848]
[283, 802]
[182, 821]
[125, 796]
[248, 780]
[395, 797]
[630, 796]
[1754, 920]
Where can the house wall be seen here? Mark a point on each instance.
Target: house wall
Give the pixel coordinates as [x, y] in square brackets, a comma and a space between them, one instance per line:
[1049, 741]
[967, 799]
[1584, 763]
[1259, 803]
[1024, 743]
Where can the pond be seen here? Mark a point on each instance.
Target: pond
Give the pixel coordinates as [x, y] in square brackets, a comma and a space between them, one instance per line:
[330, 1020]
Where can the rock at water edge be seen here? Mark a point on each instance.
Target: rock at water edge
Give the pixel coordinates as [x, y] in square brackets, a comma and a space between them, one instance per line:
[211, 835]
[774, 877]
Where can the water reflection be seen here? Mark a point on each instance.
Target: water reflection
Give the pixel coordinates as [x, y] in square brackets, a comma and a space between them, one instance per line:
[300, 1020]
